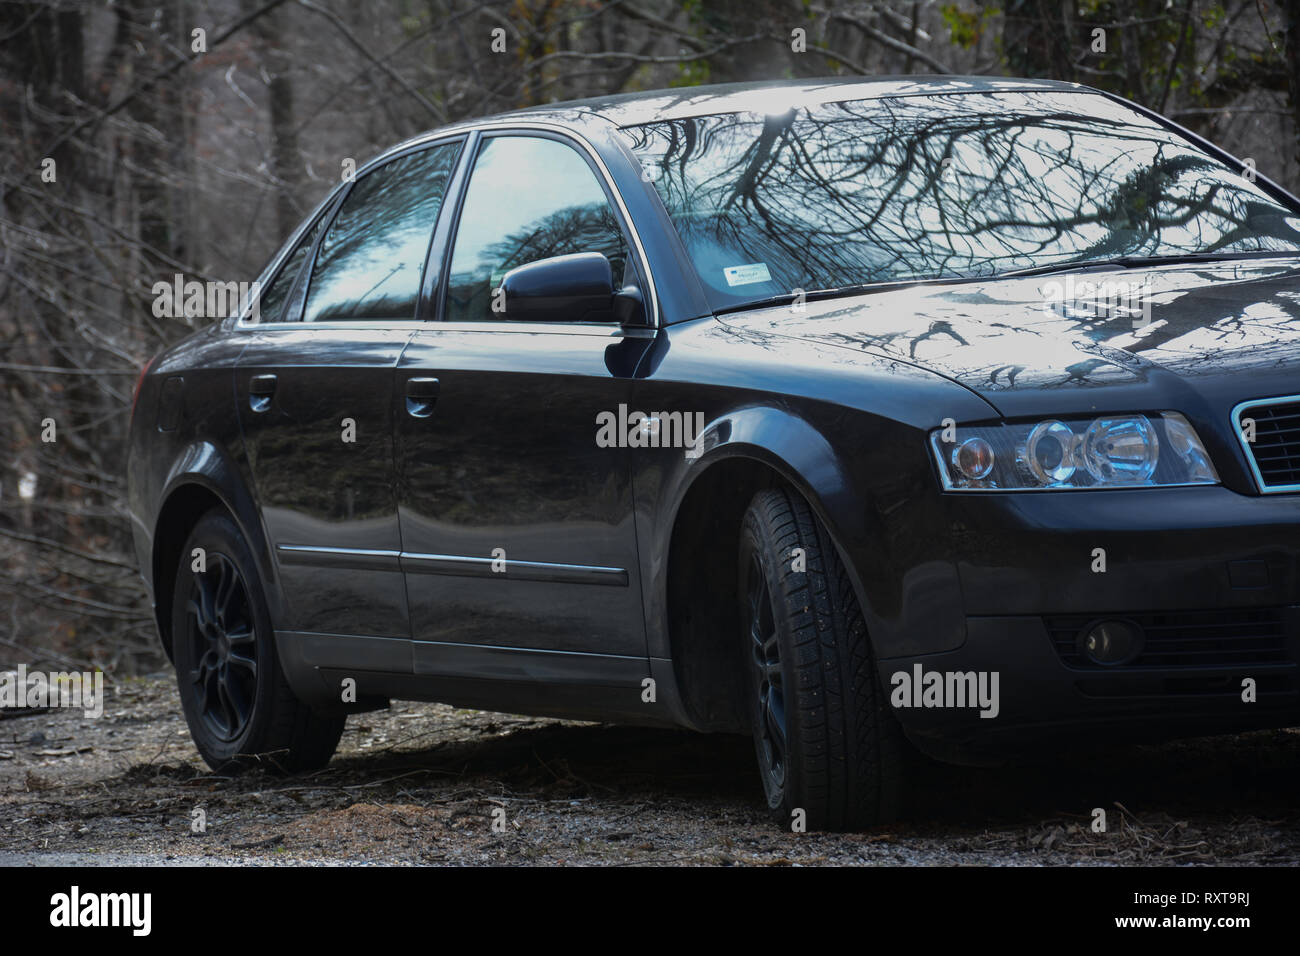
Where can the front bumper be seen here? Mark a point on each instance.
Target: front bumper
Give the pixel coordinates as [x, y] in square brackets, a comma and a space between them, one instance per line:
[1212, 576]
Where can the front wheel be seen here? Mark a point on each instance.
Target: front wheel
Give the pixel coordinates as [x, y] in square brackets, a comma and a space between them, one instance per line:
[239, 707]
[826, 740]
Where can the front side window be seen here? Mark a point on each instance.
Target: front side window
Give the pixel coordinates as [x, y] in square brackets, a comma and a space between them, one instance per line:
[836, 195]
[529, 198]
[371, 260]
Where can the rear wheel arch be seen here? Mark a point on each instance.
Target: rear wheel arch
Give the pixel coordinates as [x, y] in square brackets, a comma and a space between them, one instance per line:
[185, 504]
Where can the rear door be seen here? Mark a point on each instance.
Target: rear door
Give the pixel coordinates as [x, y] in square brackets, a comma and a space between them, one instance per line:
[315, 394]
[519, 544]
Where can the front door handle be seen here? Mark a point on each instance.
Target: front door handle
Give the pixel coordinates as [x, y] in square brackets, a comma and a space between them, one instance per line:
[260, 390]
[421, 396]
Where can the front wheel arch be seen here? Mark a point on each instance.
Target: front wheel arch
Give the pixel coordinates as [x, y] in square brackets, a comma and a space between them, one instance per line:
[700, 588]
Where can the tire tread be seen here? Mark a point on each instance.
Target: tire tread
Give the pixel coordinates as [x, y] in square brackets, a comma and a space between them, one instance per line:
[846, 749]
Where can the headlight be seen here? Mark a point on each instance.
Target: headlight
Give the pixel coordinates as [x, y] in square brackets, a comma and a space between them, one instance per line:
[1114, 451]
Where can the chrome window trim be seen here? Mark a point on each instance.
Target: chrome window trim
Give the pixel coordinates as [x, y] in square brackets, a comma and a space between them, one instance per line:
[384, 325]
[431, 139]
[1246, 446]
[601, 329]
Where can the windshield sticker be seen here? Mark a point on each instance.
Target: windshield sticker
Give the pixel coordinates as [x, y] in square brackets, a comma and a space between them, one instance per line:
[744, 275]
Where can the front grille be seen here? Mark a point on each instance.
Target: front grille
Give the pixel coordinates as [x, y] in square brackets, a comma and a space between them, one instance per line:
[1275, 450]
[1224, 637]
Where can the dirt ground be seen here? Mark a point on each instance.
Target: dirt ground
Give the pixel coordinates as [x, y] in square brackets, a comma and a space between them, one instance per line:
[418, 784]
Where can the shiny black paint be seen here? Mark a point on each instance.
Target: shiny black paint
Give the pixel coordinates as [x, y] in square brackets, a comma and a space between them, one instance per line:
[377, 555]
[576, 288]
[326, 377]
[509, 461]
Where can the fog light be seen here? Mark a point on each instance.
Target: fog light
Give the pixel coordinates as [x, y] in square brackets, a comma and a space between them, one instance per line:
[1111, 642]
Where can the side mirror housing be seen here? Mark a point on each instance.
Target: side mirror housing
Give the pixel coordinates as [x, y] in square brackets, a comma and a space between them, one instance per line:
[573, 288]
[629, 306]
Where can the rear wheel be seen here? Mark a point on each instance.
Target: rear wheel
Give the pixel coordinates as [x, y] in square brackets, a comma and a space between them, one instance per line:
[826, 741]
[239, 707]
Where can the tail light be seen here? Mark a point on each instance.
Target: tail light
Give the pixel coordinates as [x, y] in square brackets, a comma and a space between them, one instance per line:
[135, 395]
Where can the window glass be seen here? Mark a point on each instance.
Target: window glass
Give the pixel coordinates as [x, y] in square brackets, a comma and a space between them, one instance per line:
[529, 198]
[372, 258]
[837, 195]
[273, 303]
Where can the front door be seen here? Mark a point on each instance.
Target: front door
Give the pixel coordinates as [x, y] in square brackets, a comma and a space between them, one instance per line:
[519, 545]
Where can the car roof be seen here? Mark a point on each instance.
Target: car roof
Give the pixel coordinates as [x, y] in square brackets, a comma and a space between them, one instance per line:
[632, 109]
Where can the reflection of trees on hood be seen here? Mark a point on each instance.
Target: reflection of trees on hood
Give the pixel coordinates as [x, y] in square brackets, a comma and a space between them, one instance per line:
[948, 185]
[1261, 314]
[1203, 322]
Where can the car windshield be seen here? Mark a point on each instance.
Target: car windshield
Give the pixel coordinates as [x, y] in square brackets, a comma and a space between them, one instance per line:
[834, 195]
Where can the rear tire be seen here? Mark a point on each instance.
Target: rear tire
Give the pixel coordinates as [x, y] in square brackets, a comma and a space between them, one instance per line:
[826, 740]
[240, 709]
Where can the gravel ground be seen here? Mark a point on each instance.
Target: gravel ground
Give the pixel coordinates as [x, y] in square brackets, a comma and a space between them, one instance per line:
[419, 783]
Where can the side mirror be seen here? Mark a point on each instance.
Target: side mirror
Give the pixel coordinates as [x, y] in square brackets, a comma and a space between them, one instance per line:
[574, 288]
[629, 306]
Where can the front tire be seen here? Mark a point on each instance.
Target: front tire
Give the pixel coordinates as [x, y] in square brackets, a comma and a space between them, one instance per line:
[826, 741]
[237, 702]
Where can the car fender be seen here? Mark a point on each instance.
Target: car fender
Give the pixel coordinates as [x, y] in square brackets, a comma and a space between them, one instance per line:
[790, 446]
[205, 464]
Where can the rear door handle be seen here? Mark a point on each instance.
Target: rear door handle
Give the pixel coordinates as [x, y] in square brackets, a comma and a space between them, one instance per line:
[421, 396]
[260, 390]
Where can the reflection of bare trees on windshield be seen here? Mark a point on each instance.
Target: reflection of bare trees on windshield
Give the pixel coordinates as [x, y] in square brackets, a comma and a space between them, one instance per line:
[925, 186]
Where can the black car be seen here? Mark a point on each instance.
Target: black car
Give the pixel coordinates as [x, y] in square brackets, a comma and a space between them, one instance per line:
[951, 414]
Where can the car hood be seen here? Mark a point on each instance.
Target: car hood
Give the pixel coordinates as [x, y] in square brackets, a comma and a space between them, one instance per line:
[1220, 331]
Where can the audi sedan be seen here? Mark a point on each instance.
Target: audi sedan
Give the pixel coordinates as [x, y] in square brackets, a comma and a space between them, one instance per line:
[951, 415]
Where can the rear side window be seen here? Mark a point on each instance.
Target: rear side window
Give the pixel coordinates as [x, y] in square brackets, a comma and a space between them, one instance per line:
[372, 258]
[274, 306]
[529, 198]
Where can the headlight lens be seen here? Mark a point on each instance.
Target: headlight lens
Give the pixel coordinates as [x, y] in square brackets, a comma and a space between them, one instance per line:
[1121, 451]
[1114, 451]
[1050, 453]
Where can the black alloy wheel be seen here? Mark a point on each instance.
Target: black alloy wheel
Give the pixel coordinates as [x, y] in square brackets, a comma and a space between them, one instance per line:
[223, 643]
[239, 706]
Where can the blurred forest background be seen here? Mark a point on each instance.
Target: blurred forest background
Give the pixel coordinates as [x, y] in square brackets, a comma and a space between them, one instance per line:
[172, 155]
